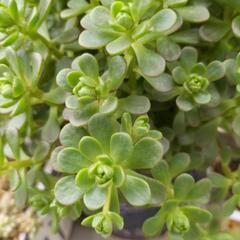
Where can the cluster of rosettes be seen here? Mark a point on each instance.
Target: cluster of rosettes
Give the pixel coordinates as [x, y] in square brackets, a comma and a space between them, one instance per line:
[88, 84]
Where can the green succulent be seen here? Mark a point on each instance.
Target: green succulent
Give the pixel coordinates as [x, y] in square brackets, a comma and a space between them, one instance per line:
[195, 79]
[92, 93]
[77, 79]
[103, 223]
[122, 29]
[179, 211]
[101, 164]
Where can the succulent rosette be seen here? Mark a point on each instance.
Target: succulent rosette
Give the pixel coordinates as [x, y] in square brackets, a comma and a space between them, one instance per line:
[91, 92]
[195, 79]
[102, 164]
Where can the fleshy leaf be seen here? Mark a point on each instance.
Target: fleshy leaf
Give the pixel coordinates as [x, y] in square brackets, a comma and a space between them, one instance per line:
[136, 191]
[121, 147]
[83, 181]
[90, 148]
[135, 104]
[95, 198]
[146, 154]
[102, 128]
[184, 103]
[188, 57]
[179, 163]
[66, 192]
[236, 26]
[215, 71]
[197, 214]
[202, 97]
[70, 135]
[163, 20]
[119, 45]
[150, 63]
[70, 160]
[162, 83]
[183, 185]
[95, 39]
[194, 14]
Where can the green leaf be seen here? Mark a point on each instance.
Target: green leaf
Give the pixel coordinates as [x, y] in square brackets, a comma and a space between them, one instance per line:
[5, 19]
[119, 45]
[21, 194]
[100, 17]
[117, 220]
[236, 125]
[163, 20]
[121, 147]
[146, 154]
[179, 75]
[61, 79]
[13, 9]
[230, 206]
[90, 148]
[37, 67]
[184, 103]
[66, 192]
[167, 48]
[135, 104]
[136, 191]
[197, 214]
[189, 57]
[162, 83]
[150, 63]
[95, 40]
[117, 68]
[13, 139]
[51, 129]
[179, 163]
[153, 226]
[183, 185]
[188, 36]
[201, 190]
[175, 3]
[14, 180]
[95, 198]
[206, 134]
[44, 8]
[88, 65]
[41, 151]
[194, 14]
[102, 128]
[83, 181]
[214, 30]
[109, 105]
[215, 71]
[236, 26]
[70, 160]
[139, 8]
[219, 180]
[67, 36]
[161, 172]
[70, 136]
[119, 176]
[13, 61]
[202, 97]
[81, 117]
[179, 123]
[75, 8]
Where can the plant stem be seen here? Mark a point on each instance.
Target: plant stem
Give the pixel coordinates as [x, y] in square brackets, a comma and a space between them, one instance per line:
[108, 200]
[47, 43]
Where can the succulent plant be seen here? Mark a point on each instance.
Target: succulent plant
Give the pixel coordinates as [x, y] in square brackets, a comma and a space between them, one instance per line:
[111, 102]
